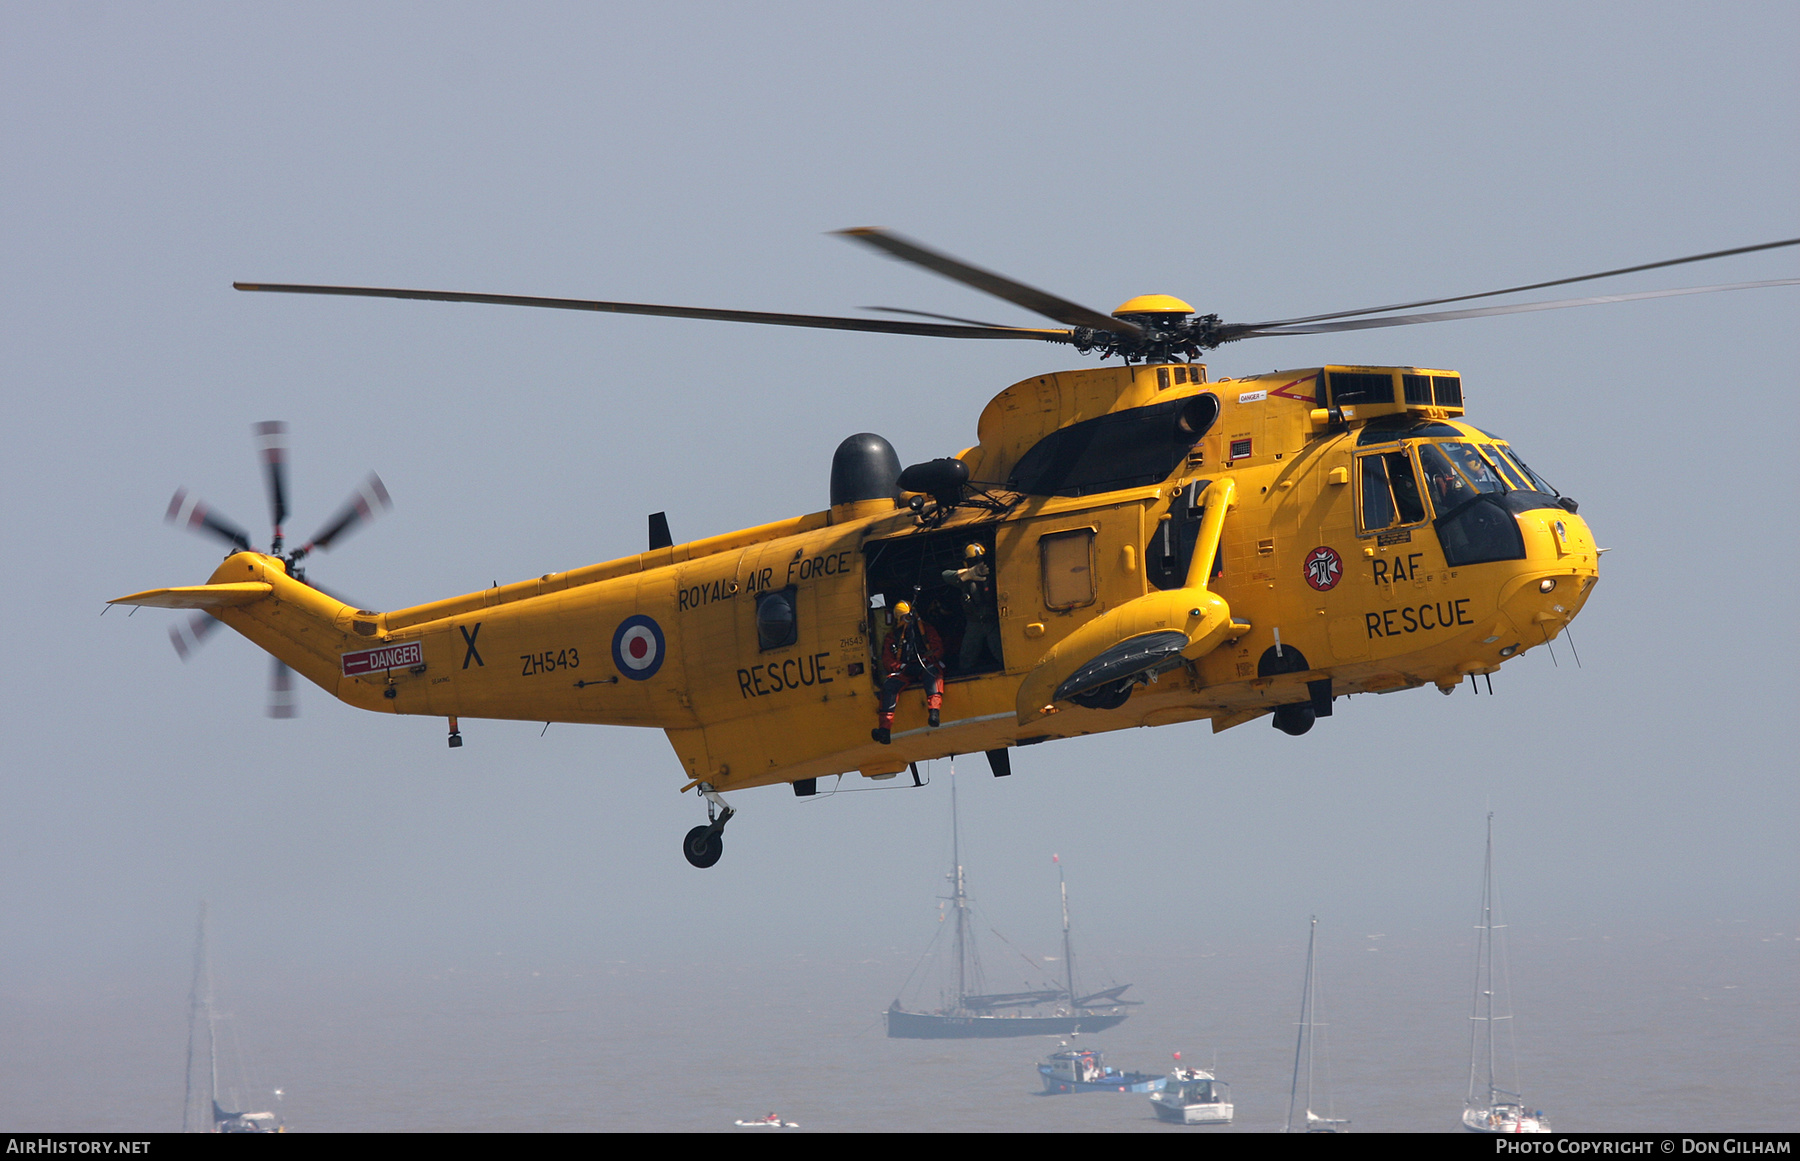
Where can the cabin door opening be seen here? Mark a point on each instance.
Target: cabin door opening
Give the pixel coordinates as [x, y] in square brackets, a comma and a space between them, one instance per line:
[921, 570]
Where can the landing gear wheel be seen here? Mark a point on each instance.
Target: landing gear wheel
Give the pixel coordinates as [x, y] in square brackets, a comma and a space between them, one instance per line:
[703, 846]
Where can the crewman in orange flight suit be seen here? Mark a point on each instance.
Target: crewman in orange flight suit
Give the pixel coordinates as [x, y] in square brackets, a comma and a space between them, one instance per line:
[911, 650]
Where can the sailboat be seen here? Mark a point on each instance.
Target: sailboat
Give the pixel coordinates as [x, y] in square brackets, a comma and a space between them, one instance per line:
[201, 1017]
[1304, 1049]
[1488, 1108]
[971, 1013]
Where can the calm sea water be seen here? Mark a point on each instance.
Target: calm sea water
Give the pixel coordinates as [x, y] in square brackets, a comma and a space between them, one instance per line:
[1692, 1031]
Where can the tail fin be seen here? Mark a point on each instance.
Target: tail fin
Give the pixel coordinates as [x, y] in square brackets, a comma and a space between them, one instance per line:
[298, 624]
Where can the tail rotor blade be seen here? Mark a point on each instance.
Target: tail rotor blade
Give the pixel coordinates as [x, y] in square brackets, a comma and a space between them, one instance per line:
[368, 501]
[282, 703]
[189, 511]
[188, 635]
[271, 438]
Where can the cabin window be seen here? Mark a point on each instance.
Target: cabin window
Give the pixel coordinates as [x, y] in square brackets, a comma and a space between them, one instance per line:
[1068, 562]
[776, 624]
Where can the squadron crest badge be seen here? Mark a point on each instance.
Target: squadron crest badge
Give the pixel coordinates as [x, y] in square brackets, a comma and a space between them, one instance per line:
[1324, 568]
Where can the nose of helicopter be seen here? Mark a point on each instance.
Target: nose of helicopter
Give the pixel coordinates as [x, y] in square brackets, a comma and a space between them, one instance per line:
[1560, 569]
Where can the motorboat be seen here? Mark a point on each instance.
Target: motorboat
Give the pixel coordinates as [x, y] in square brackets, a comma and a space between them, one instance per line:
[1193, 1096]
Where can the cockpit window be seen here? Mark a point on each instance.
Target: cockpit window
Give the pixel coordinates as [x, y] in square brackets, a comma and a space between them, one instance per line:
[1538, 483]
[1474, 467]
[1377, 497]
[1390, 491]
[1507, 471]
[1447, 487]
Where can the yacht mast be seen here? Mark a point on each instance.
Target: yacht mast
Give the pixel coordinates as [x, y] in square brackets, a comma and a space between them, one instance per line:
[961, 898]
[200, 1003]
[1483, 1024]
[1304, 1039]
[1068, 951]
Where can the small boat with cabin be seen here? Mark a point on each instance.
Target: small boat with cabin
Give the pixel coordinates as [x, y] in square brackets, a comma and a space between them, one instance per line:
[1085, 1070]
[1193, 1096]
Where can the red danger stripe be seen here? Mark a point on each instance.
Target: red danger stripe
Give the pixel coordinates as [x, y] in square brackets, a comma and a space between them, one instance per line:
[387, 657]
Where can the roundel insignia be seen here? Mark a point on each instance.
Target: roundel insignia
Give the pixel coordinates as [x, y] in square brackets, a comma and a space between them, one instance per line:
[1324, 568]
[637, 647]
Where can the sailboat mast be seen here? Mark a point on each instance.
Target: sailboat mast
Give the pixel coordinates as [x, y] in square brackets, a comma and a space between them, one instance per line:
[1300, 1038]
[962, 899]
[195, 1004]
[1312, 1012]
[1487, 919]
[1484, 971]
[1068, 950]
[212, 1053]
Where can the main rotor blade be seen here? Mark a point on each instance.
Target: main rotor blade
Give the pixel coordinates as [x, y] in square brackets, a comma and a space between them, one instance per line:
[367, 502]
[974, 322]
[1032, 299]
[271, 437]
[188, 510]
[823, 322]
[1233, 331]
[1531, 286]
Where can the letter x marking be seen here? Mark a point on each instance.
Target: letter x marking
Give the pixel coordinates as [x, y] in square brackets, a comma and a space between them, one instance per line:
[469, 640]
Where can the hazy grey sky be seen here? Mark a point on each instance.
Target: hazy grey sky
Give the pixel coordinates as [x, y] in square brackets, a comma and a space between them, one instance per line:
[1259, 160]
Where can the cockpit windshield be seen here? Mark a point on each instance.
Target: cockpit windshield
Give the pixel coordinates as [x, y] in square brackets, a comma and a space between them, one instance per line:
[1537, 482]
[1455, 473]
[1448, 474]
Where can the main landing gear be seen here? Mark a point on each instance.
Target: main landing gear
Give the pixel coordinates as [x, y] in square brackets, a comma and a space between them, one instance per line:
[704, 844]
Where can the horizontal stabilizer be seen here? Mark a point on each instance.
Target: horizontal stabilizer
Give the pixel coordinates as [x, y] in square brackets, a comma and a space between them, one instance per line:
[223, 596]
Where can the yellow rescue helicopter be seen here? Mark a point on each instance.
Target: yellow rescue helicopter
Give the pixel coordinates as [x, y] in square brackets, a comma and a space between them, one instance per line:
[1131, 545]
